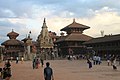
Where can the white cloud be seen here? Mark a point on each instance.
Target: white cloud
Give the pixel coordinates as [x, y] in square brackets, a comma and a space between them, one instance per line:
[107, 21]
[99, 15]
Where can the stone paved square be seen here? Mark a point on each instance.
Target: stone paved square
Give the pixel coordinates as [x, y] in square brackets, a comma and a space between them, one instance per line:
[65, 70]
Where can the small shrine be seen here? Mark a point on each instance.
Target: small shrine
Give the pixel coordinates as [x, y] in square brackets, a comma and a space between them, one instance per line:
[30, 48]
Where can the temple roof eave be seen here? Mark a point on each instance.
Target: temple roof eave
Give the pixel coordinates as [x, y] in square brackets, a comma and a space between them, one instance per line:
[67, 28]
[75, 25]
[104, 39]
[74, 37]
[13, 42]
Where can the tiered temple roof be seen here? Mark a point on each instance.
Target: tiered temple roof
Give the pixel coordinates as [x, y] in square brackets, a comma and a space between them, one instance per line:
[13, 41]
[74, 31]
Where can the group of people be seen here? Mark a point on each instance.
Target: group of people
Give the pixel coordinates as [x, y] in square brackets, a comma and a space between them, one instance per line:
[5, 73]
[36, 62]
[112, 61]
[17, 60]
[97, 60]
[48, 72]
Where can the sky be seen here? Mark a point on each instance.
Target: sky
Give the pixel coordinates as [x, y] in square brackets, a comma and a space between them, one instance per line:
[27, 15]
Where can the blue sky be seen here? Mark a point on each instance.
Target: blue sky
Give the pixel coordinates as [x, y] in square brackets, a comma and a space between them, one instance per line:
[27, 15]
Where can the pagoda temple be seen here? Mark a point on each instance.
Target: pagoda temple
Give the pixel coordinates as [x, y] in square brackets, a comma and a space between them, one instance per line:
[45, 43]
[72, 43]
[13, 47]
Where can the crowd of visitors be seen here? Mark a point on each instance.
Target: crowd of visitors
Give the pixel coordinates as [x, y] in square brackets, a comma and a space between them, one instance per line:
[5, 73]
[111, 61]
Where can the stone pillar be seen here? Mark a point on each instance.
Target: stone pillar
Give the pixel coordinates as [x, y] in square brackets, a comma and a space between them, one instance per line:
[29, 43]
[28, 52]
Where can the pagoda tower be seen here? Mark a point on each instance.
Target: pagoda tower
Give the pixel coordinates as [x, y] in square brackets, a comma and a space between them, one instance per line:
[13, 47]
[72, 43]
[45, 43]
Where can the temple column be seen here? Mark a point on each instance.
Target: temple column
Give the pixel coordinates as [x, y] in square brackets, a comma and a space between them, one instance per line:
[29, 43]
[28, 51]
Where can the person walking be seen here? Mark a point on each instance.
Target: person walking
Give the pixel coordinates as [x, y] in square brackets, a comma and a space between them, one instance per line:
[37, 63]
[108, 62]
[22, 59]
[48, 72]
[114, 64]
[42, 62]
[7, 64]
[17, 60]
[94, 60]
[33, 64]
[89, 63]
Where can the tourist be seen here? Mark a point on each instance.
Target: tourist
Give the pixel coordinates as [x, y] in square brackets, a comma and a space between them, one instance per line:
[7, 64]
[99, 60]
[94, 60]
[108, 62]
[68, 57]
[42, 62]
[34, 64]
[114, 64]
[112, 59]
[48, 72]
[11, 58]
[22, 59]
[37, 63]
[89, 63]
[17, 60]
[52, 55]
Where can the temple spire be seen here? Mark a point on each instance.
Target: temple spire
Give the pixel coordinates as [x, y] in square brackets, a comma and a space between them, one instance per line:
[73, 20]
[12, 30]
[44, 20]
[44, 24]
